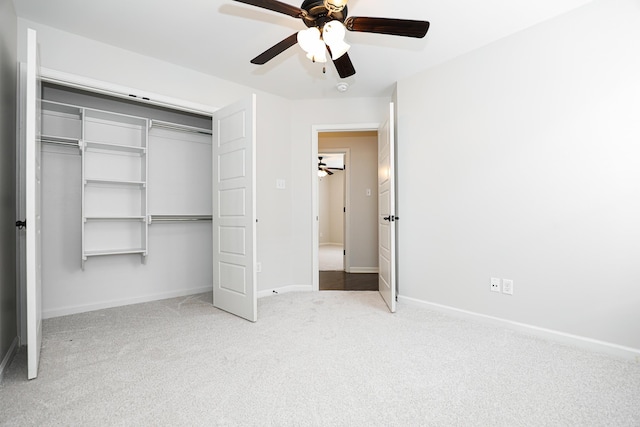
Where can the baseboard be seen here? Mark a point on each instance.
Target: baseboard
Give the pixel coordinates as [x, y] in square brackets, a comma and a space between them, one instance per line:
[6, 360]
[558, 336]
[331, 244]
[64, 311]
[284, 290]
[370, 270]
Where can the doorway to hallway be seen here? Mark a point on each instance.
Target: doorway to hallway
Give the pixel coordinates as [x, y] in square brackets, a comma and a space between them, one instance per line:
[346, 250]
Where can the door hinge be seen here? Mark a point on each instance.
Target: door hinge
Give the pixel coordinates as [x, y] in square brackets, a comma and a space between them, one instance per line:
[344, 210]
[344, 252]
[21, 224]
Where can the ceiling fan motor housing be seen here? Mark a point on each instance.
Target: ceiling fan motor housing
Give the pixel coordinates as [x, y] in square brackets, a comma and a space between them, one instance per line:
[318, 14]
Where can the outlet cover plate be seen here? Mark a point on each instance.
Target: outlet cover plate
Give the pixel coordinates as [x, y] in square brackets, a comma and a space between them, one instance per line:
[495, 284]
[507, 286]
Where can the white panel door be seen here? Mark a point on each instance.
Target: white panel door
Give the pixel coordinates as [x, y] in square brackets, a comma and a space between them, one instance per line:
[33, 197]
[234, 210]
[386, 212]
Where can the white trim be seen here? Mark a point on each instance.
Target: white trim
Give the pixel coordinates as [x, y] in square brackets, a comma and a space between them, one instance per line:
[364, 270]
[284, 290]
[8, 357]
[64, 311]
[315, 129]
[112, 89]
[563, 337]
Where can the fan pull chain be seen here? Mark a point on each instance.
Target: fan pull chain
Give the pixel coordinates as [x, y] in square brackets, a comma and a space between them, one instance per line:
[324, 70]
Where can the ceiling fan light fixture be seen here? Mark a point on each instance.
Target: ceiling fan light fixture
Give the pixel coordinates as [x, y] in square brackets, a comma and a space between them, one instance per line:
[309, 40]
[333, 35]
[318, 54]
[335, 5]
[322, 173]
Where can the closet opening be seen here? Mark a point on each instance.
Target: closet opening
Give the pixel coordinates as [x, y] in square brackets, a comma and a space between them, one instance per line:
[126, 202]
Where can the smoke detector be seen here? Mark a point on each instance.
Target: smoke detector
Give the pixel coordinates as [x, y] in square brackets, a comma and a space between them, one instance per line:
[342, 86]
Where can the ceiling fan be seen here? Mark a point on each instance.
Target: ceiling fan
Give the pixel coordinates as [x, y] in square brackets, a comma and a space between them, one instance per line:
[327, 21]
[323, 170]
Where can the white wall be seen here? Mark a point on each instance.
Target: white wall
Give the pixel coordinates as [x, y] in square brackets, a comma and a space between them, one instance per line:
[521, 160]
[304, 115]
[336, 231]
[174, 266]
[275, 215]
[324, 210]
[84, 57]
[8, 76]
[331, 208]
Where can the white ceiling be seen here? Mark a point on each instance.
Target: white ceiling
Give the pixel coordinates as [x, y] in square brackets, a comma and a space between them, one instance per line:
[219, 37]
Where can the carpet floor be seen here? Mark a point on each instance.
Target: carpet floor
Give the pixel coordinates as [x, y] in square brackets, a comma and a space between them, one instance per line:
[312, 359]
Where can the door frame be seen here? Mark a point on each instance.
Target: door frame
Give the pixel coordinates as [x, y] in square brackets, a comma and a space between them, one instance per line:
[315, 130]
[346, 195]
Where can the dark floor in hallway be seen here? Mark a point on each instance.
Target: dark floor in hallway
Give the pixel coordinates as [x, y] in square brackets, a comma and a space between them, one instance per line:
[341, 281]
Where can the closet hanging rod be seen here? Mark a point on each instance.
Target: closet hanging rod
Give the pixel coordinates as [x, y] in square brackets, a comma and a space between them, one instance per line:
[178, 218]
[71, 142]
[179, 127]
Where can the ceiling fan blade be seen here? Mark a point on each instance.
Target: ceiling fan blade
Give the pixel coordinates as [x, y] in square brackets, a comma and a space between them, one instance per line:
[275, 50]
[328, 172]
[394, 27]
[276, 6]
[344, 66]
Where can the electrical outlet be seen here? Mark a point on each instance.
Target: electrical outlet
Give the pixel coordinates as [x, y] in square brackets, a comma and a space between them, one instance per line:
[495, 284]
[507, 286]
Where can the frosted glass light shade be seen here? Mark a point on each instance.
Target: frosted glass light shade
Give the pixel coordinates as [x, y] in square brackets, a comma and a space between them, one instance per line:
[318, 53]
[309, 40]
[333, 34]
[335, 5]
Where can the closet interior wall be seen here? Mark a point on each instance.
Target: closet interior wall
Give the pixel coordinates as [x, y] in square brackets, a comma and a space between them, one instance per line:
[176, 211]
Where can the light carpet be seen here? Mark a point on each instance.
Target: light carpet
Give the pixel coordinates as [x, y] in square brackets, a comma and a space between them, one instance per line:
[312, 359]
